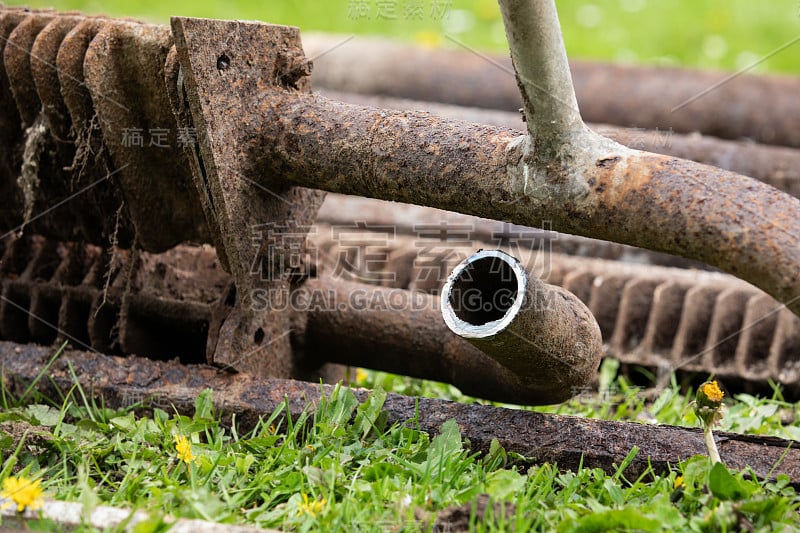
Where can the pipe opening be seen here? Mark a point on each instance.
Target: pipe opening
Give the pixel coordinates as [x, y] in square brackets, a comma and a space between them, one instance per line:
[484, 291]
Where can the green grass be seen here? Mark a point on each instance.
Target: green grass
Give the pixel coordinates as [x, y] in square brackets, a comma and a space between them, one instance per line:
[724, 34]
[341, 468]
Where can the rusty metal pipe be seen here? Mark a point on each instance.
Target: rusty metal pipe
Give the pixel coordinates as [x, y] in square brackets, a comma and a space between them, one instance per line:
[604, 190]
[650, 316]
[778, 166]
[762, 107]
[546, 336]
[344, 319]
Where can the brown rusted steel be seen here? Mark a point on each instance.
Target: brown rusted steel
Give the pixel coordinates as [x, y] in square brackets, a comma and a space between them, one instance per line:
[612, 193]
[649, 316]
[661, 318]
[159, 306]
[107, 75]
[103, 210]
[279, 215]
[775, 165]
[168, 304]
[124, 72]
[543, 334]
[762, 108]
[403, 332]
[468, 166]
[497, 210]
[568, 442]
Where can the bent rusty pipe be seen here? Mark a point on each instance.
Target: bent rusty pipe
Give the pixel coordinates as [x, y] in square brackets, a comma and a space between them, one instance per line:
[604, 190]
[573, 178]
[344, 317]
[544, 334]
[778, 166]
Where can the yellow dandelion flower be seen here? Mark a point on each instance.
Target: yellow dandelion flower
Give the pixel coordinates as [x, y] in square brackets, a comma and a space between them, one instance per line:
[678, 483]
[361, 375]
[309, 507]
[712, 391]
[26, 493]
[309, 447]
[184, 449]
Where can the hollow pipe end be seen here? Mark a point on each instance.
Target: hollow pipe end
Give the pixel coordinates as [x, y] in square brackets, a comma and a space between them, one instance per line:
[483, 294]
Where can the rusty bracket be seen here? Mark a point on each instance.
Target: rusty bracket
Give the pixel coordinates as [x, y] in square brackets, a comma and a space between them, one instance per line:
[262, 221]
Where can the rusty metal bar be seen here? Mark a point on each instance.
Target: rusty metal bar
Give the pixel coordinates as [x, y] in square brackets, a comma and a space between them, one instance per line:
[541, 438]
[429, 223]
[403, 332]
[610, 192]
[775, 165]
[761, 107]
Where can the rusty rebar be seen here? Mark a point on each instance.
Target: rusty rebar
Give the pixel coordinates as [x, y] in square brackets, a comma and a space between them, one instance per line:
[245, 400]
[760, 107]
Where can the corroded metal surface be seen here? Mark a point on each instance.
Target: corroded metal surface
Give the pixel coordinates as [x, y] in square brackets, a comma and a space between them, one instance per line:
[775, 165]
[421, 159]
[273, 214]
[92, 139]
[284, 138]
[649, 316]
[609, 192]
[157, 306]
[543, 334]
[124, 72]
[762, 108]
[541, 438]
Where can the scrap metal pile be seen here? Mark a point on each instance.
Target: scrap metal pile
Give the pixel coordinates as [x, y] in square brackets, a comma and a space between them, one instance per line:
[152, 204]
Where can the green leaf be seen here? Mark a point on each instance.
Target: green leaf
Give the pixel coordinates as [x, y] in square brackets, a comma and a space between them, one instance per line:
[447, 442]
[503, 483]
[337, 410]
[368, 414]
[497, 456]
[204, 405]
[612, 520]
[43, 415]
[6, 441]
[607, 374]
[766, 510]
[125, 423]
[724, 485]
